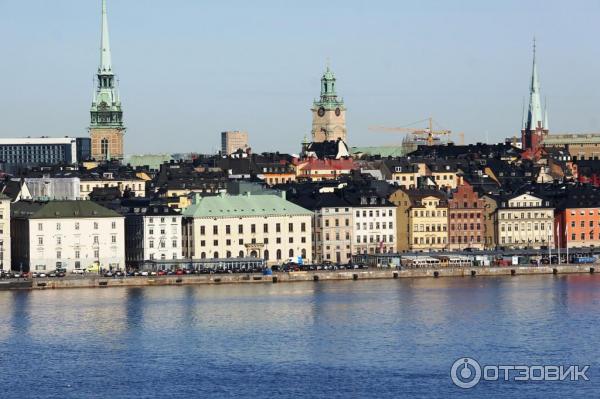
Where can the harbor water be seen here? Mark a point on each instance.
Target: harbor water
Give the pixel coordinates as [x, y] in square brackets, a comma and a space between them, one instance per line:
[342, 339]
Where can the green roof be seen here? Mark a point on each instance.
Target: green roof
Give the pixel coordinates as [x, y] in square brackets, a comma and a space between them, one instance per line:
[382, 151]
[570, 138]
[243, 205]
[60, 210]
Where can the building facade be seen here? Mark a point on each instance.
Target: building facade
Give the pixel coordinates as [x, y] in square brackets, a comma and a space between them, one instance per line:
[525, 221]
[152, 232]
[21, 153]
[329, 112]
[106, 126]
[466, 227]
[374, 224]
[428, 226]
[332, 234]
[258, 226]
[66, 234]
[577, 218]
[5, 258]
[232, 141]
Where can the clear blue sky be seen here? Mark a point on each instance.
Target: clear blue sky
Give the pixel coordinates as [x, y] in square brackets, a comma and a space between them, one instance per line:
[189, 69]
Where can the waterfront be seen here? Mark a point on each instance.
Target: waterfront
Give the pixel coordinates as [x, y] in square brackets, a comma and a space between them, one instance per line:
[377, 338]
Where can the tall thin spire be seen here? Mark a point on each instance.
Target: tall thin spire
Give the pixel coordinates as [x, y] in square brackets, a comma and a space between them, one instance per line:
[105, 58]
[534, 115]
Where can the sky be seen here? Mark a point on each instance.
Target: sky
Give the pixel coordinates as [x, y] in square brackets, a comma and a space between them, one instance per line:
[189, 69]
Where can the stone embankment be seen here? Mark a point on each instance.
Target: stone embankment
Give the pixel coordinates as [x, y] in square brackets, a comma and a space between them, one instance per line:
[359, 274]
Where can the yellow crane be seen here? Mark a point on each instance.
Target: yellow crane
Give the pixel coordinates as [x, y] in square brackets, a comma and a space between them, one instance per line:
[430, 134]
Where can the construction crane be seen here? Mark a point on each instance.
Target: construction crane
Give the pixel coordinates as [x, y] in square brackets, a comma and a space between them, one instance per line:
[430, 134]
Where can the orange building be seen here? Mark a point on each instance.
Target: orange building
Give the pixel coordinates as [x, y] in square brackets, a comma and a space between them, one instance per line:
[577, 219]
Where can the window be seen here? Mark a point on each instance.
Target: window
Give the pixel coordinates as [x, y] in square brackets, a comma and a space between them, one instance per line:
[215, 230]
[58, 240]
[241, 229]
[95, 226]
[278, 229]
[151, 231]
[227, 229]
[303, 226]
[174, 244]
[76, 225]
[291, 227]
[162, 232]
[202, 243]
[113, 225]
[253, 228]
[95, 239]
[241, 241]
[265, 228]
[40, 240]
[77, 254]
[40, 227]
[58, 254]
[57, 226]
[202, 230]
[215, 242]
[151, 243]
[113, 239]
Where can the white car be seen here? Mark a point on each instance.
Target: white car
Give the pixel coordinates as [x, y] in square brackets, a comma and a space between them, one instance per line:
[77, 271]
[144, 273]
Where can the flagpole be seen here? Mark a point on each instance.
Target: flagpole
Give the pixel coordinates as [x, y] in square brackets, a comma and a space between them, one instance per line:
[558, 241]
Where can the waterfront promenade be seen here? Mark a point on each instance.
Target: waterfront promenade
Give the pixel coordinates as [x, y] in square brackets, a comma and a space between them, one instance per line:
[284, 277]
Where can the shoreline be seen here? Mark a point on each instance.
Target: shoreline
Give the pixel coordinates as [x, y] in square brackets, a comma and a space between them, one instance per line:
[283, 277]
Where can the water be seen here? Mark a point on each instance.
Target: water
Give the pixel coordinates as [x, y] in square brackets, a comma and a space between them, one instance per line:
[380, 339]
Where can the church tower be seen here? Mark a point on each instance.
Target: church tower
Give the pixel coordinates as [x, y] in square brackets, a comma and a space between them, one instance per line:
[535, 121]
[106, 126]
[329, 112]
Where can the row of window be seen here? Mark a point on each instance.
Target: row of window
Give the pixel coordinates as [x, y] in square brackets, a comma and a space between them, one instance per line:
[376, 213]
[337, 222]
[375, 239]
[376, 225]
[430, 240]
[266, 254]
[465, 226]
[162, 244]
[536, 215]
[252, 241]
[427, 214]
[76, 226]
[429, 227]
[113, 239]
[471, 215]
[463, 240]
[163, 256]
[515, 227]
[509, 240]
[215, 228]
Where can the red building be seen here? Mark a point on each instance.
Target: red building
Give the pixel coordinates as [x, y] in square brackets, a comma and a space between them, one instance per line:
[465, 219]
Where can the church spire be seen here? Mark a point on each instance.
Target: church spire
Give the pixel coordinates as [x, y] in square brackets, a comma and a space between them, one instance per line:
[534, 114]
[105, 58]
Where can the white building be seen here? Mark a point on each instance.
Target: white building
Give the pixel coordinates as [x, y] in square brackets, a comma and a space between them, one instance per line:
[4, 232]
[260, 226]
[152, 233]
[53, 188]
[525, 220]
[66, 234]
[374, 225]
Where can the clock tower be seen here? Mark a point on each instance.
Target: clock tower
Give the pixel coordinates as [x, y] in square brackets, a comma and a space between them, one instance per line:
[106, 125]
[329, 112]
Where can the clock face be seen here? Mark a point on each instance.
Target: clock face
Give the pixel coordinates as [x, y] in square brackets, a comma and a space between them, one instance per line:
[321, 111]
[338, 112]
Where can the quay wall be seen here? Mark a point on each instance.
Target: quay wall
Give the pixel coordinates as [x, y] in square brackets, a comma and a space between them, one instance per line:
[101, 282]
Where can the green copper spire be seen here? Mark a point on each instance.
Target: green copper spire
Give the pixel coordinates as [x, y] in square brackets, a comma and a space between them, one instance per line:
[329, 98]
[106, 105]
[534, 114]
[105, 59]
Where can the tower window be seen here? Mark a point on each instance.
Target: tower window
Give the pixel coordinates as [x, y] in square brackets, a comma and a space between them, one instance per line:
[104, 147]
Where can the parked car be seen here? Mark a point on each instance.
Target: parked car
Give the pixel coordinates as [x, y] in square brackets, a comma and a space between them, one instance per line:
[77, 271]
[108, 274]
[162, 272]
[144, 273]
[179, 272]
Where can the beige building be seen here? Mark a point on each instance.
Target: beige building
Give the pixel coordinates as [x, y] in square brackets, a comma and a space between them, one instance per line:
[5, 259]
[403, 203]
[490, 222]
[234, 140]
[525, 221]
[333, 230]
[135, 184]
[428, 226]
[580, 146]
[259, 226]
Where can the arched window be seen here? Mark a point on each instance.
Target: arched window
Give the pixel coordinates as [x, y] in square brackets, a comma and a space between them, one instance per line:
[303, 253]
[279, 254]
[241, 254]
[203, 255]
[266, 254]
[228, 254]
[216, 255]
[291, 253]
[104, 147]
[163, 256]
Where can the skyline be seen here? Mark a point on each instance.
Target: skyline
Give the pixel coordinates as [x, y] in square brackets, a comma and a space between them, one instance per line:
[268, 95]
